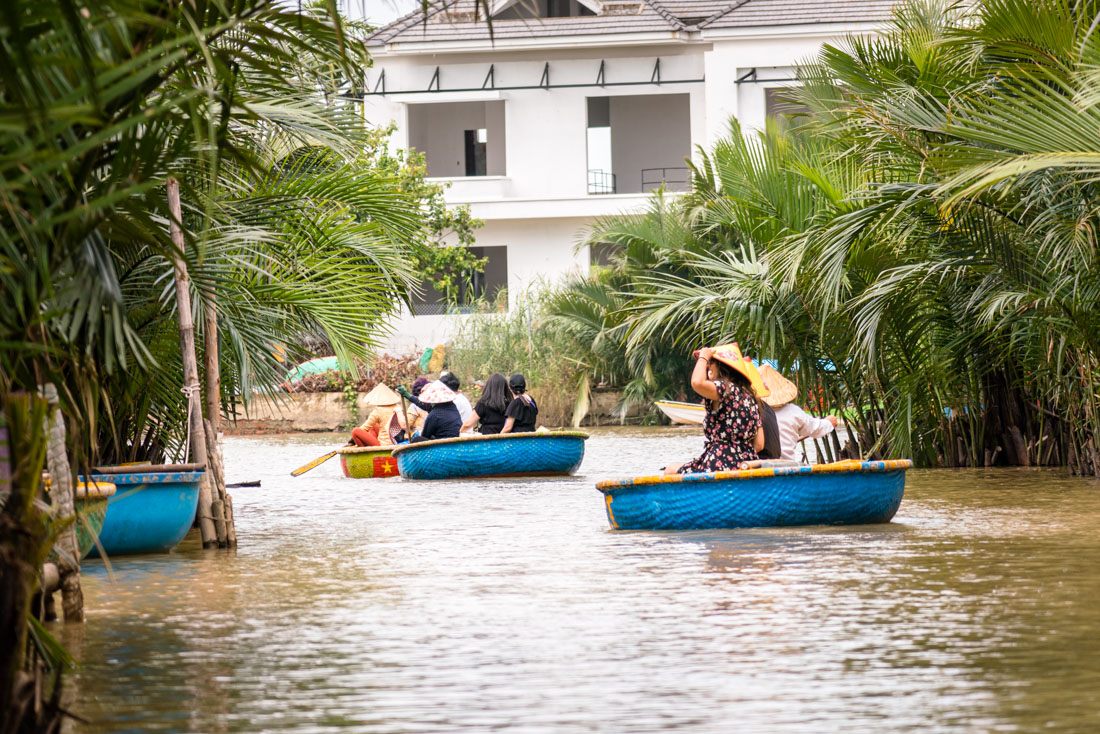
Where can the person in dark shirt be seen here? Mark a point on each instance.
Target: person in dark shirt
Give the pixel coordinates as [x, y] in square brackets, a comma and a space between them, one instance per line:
[491, 407]
[444, 420]
[522, 411]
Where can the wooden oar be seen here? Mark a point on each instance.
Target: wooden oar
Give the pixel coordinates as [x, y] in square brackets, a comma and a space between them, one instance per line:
[313, 464]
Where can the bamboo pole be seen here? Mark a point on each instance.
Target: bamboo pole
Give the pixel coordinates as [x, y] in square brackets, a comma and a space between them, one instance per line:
[213, 416]
[190, 368]
[61, 497]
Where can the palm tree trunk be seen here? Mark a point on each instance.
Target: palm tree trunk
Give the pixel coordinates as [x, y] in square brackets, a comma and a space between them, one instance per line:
[61, 497]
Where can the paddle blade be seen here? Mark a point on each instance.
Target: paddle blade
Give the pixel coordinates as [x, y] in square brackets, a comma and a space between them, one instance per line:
[313, 464]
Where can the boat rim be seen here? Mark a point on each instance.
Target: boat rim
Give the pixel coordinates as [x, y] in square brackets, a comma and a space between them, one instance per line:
[365, 449]
[497, 436]
[152, 477]
[839, 467]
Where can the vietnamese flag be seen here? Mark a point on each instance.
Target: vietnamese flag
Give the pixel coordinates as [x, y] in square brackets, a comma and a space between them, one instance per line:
[385, 466]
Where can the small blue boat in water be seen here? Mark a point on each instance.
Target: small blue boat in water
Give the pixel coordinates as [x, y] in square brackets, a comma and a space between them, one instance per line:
[545, 453]
[844, 493]
[150, 512]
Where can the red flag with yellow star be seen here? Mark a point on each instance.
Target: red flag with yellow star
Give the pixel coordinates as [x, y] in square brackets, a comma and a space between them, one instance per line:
[385, 466]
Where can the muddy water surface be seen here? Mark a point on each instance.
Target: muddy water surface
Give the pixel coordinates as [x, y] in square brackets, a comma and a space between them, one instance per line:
[398, 606]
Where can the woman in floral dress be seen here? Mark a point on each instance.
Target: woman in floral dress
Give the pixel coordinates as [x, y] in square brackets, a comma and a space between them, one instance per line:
[732, 431]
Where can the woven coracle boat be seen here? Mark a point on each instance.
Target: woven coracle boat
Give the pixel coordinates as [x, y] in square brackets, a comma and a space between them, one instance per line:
[367, 462]
[150, 512]
[844, 493]
[503, 455]
[90, 503]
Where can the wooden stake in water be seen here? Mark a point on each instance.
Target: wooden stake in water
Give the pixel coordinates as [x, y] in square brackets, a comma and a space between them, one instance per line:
[190, 369]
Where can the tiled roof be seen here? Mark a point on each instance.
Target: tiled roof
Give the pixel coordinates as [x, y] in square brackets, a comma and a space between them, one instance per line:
[792, 12]
[457, 20]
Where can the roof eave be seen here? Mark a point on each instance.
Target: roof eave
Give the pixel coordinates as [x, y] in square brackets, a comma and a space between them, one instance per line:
[600, 40]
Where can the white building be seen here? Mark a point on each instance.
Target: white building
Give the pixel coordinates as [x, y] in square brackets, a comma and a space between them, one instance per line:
[562, 111]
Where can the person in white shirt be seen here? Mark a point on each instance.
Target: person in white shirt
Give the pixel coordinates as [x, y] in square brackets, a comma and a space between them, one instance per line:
[462, 402]
[795, 424]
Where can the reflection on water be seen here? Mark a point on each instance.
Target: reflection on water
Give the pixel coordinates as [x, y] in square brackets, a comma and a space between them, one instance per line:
[398, 606]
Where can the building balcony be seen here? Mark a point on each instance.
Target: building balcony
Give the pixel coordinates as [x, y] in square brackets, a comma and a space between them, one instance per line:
[468, 189]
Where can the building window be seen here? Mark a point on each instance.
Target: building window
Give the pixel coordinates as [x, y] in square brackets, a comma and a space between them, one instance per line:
[459, 138]
[778, 103]
[638, 143]
[531, 9]
[488, 286]
[476, 141]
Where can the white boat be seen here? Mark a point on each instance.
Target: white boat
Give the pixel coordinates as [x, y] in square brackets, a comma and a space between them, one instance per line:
[687, 413]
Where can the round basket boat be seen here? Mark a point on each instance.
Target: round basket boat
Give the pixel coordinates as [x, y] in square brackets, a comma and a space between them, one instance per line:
[547, 453]
[90, 502]
[367, 462]
[151, 512]
[844, 493]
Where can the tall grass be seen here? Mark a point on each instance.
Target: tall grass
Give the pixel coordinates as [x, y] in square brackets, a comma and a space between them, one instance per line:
[523, 339]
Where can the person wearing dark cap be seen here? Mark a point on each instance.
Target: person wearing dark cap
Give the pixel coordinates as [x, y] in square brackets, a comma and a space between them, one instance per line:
[522, 411]
[450, 379]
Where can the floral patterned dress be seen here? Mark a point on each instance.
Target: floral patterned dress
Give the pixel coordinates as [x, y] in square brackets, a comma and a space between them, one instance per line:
[728, 431]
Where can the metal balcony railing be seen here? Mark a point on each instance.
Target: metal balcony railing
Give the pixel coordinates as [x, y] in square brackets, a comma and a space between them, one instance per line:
[674, 179]
[600, 181]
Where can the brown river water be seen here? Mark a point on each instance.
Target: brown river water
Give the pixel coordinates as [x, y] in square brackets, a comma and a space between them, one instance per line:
[482, 605]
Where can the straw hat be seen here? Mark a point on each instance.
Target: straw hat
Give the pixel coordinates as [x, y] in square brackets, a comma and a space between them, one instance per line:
[730, 354]
[382, 396]
[436, 392]
[782, 390]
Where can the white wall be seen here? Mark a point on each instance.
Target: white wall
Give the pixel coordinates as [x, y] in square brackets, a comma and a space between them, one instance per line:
[651, 131]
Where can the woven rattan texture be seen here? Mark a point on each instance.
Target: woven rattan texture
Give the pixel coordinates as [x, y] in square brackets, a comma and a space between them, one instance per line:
[795, 498]
[509, 454]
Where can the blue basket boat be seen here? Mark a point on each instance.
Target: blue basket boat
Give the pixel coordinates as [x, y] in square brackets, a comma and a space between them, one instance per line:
[150, 512]
[844, 493]
[503, 455]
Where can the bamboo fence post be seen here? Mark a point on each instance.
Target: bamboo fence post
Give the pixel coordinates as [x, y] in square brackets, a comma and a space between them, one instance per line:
[61, 497]
[190, 369]
[220, 504]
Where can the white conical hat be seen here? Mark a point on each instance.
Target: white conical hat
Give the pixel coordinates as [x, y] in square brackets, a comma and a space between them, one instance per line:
[382, 396]
[436, 392]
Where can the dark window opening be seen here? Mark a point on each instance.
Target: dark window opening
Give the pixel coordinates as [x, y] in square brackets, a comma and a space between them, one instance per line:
[531, 9]
[476, 144]
[604, 254]
[489, 285]
[778, 102]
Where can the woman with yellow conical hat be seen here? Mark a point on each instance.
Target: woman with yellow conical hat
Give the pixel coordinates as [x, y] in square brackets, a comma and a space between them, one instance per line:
[794, 423]
[382, 424]
[732, 433]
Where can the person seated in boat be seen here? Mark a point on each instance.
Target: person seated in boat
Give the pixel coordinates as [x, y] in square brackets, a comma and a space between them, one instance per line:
[732, 432]
[794, 424]
[450, 379]
[416, 415]
[383, 424]
[522, 412]
[443, 419]
[491, 408]
[768, 422]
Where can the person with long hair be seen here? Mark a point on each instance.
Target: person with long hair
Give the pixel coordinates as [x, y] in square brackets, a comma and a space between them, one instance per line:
[732, 432]
[490, 409]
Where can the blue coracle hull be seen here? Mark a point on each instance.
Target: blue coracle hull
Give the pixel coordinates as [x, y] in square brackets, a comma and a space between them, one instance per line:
[788, 497]
[521, 454]
[150, 512]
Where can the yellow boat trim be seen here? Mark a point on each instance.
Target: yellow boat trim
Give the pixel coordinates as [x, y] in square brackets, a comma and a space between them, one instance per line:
[761, 473]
